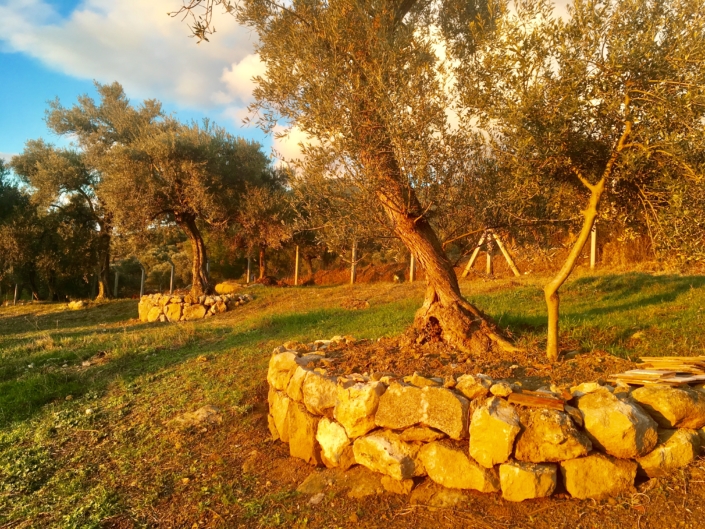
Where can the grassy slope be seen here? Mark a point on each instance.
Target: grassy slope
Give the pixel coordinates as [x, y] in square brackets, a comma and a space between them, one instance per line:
[63, 466]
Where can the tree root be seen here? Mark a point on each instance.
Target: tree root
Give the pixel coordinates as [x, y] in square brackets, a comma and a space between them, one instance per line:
[460, 325]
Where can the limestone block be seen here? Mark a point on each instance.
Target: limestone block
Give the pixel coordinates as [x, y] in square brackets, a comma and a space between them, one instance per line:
[598, 476]
[279, 410]
[501, 389]
[395, 486]
[421, 381]
[450, 466]
[474, 386]
[524, 481]
[296, 384]
[681, 407]
[493, 428]
[173, 312]
[333, 440]
[356, 405]
[551, 436]
[421, 434]
[154, 314]
[588, 387]
[281, 369]
[385, 453]
[445, 410]
[144, 307]
[302, 434]
[399, 407]
[194, 312]
[617, 426]
[675, 449]
[319, 393]
[272, 427]
[403, 406]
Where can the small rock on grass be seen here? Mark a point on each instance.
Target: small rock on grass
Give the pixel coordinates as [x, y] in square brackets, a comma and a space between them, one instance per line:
[316, 498]
[202, 416]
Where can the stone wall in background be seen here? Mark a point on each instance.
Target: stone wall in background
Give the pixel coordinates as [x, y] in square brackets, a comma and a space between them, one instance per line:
[166, 307]
[477, 433]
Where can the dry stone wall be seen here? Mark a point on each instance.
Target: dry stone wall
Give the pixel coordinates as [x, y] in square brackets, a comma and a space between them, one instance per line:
[465, 433]
[166, 307]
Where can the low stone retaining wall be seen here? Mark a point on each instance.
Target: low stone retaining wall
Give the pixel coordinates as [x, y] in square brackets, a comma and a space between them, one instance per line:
[472, 432]
[165, 307]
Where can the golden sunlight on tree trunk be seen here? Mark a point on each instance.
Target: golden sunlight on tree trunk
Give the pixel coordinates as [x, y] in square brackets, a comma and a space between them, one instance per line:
[551, 289]
[589, 216]
[445, 314]
[199, 276]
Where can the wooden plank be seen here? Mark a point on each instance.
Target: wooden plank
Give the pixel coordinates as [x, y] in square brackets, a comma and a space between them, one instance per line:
[533, 401]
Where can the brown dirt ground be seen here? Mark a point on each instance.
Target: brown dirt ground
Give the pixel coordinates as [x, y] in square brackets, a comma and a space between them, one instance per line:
[254, 479]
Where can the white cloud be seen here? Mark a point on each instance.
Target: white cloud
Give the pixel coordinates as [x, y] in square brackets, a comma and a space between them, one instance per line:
[6, 156]
[136, 43]
[288, 147]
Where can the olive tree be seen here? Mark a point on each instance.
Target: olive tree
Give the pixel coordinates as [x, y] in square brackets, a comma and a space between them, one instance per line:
[186, 174]
[62, 178]
[364, 80]
[602, 104]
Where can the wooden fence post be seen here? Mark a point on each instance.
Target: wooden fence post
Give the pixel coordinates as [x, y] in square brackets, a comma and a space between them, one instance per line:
[353, 265]
[142, 282]
[489, 246]
[248, 270]
[171, 281]
[296, 267]
[593, 246]
[474, 255]
[506, 255]
[412, 269]
[115, 289]
[15, 302]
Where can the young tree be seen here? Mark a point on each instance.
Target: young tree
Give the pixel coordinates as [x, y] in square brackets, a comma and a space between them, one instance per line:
[60, 178]
[603, 103]
[362, 78]
[263, 219]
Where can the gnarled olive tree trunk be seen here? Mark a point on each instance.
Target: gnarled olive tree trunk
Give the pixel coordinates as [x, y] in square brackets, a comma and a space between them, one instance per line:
[199, 275]
[445, 314]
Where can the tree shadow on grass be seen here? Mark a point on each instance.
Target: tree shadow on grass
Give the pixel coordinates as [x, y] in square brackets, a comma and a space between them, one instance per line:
[645, 290]
[589, 297]
[24, 395]
[102, 313]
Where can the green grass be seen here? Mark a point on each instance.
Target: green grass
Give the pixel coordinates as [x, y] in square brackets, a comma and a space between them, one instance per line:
[106, 454]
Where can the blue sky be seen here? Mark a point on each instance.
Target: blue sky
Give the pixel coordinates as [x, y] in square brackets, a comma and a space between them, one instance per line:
[56, 48]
